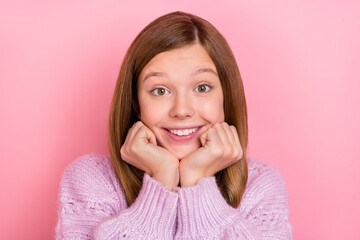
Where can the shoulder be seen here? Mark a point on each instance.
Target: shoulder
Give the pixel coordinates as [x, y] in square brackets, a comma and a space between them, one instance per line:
[90, 174]
[259, 171]
[93, 161]
[265, 184]
[89, 167]
[90, 162]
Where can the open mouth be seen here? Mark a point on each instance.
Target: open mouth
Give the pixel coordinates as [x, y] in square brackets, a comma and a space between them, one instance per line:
[183, 135]
[183, 132]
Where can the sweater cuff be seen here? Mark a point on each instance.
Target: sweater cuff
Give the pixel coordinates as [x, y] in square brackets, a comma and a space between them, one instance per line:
[154, 210]
[202, 210]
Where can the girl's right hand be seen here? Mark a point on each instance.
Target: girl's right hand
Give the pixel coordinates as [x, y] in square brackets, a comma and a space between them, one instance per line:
[140, 150]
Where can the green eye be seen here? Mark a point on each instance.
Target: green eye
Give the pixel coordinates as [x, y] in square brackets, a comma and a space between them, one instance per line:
[202, 88]
[160, 91]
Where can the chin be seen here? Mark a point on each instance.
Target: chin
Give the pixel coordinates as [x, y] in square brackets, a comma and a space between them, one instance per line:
[180, 154]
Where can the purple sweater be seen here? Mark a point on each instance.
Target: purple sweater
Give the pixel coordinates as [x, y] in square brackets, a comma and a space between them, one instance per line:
[92, 206]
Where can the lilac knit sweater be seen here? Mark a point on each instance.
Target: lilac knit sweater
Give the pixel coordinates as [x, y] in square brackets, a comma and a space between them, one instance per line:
[92, 206]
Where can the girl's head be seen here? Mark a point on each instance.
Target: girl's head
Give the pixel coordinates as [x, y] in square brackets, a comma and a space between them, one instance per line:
[178, 76]
[180, 97]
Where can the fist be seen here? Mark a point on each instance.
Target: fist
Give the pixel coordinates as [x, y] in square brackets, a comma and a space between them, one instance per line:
[220, 148]
[140, 150]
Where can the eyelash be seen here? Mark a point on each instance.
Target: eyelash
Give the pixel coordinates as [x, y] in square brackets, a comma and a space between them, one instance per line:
[157, 88]
[207, 88]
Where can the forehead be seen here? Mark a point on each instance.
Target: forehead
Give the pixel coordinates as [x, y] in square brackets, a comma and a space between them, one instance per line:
[187, 58]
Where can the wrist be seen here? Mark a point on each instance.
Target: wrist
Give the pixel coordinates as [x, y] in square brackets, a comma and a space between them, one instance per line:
[167, 176]
[189, 177]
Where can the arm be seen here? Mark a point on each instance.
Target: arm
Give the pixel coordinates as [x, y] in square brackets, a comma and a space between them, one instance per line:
[263, 213]
[92, 206]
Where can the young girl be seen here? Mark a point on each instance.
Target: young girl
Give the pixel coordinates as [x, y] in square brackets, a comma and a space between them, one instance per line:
[178, 136]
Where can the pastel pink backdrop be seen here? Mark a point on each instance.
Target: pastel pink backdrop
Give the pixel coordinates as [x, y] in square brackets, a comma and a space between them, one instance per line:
[300, 65]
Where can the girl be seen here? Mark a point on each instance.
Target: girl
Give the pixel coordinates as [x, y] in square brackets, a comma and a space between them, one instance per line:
[178, 137]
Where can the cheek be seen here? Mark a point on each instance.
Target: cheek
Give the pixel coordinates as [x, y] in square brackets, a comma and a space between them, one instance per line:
[151, 113]
[147, 116]
[213, 111]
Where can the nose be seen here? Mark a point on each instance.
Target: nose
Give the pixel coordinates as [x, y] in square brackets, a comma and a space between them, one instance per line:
[182, 107]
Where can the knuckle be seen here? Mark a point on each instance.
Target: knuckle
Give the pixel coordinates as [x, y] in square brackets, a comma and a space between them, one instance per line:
[241, 154]
[211, 131]
[132, 148]
[217, 125]
[139, 123]
[232, 127]
[122, 151]
[236, 154]
[142, 129]
[229, 153]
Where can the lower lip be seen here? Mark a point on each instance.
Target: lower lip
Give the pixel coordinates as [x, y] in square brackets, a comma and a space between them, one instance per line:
[183, 138]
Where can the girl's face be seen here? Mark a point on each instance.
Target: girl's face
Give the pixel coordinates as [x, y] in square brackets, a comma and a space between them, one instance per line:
[180, 97]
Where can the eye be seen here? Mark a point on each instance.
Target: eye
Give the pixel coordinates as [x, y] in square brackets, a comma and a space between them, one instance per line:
[159, 91]
[202, 88]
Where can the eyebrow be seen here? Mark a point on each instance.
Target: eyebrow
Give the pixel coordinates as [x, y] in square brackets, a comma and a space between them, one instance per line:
[162, 74]
[205, 70]
[154, 74]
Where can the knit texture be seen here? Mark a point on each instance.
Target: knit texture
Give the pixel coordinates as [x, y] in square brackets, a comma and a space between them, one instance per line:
[92, 205]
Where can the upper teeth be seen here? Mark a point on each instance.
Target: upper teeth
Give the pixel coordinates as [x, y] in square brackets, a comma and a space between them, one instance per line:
[183, 132]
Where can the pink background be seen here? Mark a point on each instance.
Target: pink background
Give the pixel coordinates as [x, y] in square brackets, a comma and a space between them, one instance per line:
[299, 61]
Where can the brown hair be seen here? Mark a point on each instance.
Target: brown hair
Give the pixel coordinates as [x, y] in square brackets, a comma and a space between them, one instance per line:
[168, 32]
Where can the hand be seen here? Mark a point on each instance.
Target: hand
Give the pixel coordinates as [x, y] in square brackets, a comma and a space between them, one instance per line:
[140, 150]
[220, 148]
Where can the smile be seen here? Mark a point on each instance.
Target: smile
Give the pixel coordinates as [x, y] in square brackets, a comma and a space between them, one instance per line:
[183, 132]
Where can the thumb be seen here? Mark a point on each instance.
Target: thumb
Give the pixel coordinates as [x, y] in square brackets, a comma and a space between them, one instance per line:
[204, 138]
[150, 136]
[209, 137]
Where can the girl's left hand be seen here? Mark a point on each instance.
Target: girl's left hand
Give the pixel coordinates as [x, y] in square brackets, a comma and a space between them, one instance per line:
[220, 149]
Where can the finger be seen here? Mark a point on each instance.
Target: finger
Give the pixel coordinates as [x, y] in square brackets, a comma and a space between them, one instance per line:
[204, 137]
[132, 131]
[150, 136]
[237, 141]
[229, 133]
[230, 149]
[146, 134]
[209, 137]
[221, 134]
[235, 135]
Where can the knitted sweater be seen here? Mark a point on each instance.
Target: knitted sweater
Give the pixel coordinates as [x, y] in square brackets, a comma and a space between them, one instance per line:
[92, 205]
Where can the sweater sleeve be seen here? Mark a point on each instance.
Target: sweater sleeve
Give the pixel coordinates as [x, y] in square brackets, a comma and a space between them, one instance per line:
[263, 213]
[92, 205]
